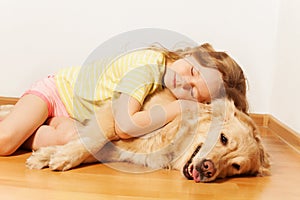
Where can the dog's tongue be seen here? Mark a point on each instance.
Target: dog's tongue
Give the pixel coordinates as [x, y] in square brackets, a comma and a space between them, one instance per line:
[196, 176]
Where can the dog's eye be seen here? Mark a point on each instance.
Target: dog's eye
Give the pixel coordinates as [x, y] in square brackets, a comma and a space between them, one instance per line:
[223, 139]
[236, 166]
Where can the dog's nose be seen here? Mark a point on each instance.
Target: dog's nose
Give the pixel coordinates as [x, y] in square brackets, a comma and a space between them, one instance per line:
[206, 168]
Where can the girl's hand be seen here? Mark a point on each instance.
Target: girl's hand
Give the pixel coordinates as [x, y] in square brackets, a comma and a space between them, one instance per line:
[130, 121]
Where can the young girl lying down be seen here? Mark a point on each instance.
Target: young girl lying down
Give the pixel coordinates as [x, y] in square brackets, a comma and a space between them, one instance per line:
[46, 113]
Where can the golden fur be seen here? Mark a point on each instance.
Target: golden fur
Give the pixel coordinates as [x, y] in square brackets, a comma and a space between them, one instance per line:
[176, 145]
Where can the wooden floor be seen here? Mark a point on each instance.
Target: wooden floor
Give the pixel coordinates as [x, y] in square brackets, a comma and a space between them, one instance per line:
[101, 182]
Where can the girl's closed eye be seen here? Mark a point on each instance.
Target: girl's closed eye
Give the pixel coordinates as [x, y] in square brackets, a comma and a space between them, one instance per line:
[192, 71]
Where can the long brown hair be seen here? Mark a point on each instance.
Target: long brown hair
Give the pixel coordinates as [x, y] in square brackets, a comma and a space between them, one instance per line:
[232, 74]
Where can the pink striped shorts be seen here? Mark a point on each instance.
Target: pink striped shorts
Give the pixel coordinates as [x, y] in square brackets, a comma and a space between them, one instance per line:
[46, 89]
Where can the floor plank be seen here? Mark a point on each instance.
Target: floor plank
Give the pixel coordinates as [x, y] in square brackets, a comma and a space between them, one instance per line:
[100, 181]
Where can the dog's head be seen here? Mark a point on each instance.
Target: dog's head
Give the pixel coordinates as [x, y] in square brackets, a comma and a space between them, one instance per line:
[238, 150]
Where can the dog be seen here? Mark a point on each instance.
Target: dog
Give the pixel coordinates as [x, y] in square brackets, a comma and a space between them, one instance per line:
[237, 151]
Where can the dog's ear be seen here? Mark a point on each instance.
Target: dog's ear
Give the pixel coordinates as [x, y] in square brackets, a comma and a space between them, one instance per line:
[264, 169]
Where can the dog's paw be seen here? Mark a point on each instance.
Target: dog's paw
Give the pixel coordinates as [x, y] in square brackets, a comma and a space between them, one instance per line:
[40, 158]
[72, 154]
[64, 160]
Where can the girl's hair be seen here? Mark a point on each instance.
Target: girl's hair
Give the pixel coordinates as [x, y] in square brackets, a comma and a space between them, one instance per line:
[233, 76]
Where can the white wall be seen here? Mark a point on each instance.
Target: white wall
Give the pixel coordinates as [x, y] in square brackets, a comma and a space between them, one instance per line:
[285, 96]
[39, 37]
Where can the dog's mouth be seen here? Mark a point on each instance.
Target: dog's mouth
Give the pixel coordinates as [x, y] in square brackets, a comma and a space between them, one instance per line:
[189, 167]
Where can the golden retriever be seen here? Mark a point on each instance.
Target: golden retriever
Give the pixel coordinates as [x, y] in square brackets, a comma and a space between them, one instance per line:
[238, 149]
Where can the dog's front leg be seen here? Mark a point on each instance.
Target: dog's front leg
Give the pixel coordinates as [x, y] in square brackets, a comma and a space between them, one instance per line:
[40, 158]
[68, 156]
[92, 138]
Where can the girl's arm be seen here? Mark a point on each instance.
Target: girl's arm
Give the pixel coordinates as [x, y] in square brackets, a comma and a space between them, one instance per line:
[130, 121]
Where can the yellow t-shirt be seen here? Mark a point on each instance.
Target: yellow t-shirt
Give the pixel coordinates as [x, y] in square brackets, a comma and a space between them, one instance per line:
[138, 74]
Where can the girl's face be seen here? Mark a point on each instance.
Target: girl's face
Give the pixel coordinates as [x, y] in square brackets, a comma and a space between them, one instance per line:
[192, 82]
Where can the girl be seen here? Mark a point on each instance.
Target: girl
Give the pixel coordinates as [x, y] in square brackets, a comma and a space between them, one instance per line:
[45, 114]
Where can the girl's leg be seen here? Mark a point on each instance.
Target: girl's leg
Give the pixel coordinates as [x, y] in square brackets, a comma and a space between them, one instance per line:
[57, 131]
[28, 114]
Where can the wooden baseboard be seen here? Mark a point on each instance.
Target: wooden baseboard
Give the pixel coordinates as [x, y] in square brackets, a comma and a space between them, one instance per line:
[8, 100]
[262, 120]
[286, 134]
